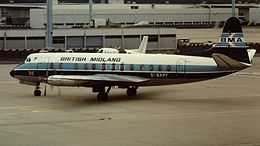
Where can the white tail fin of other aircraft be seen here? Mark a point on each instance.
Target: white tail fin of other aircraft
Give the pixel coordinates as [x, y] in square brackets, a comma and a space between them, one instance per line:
[231, 50]
[143, 45]
[141, 49]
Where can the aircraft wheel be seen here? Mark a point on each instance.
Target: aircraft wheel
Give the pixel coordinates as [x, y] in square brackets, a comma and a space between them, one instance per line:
[131, 91]
[102, 96]
[37, 93]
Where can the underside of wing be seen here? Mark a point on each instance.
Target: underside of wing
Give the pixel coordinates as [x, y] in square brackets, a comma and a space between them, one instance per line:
[77, 80]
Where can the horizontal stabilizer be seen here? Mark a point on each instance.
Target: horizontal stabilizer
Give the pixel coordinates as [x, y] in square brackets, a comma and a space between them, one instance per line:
[226, 62]
[251, 54]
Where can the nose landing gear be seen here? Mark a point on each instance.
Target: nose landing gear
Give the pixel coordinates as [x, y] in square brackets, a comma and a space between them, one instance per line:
[37, 91]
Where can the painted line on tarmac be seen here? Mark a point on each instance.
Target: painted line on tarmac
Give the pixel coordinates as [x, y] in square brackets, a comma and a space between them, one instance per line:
[33, 109]
[249, 74]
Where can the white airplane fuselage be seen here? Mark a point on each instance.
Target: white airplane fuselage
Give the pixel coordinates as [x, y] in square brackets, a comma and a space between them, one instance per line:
[158, 69]
[104, 70]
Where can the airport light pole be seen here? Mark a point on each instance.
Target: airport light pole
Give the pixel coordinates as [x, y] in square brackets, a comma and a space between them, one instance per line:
[49, 24]
[233, 8]
[90, 12]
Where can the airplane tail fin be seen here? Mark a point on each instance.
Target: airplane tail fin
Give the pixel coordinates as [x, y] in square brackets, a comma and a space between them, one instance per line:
[143, 45]
[232, 43]
[232, 35]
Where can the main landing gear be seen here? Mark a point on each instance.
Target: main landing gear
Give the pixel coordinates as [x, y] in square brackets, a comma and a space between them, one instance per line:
[103, 93]
[131, 91]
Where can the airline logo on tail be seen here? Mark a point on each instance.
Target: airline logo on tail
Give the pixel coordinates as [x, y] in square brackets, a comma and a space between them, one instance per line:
[231, 40]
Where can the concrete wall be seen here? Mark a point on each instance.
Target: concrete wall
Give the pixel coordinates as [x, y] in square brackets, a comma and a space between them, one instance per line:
[166, 41]
[35, 42]
[75, 42]
[89, 38]
[255, 15]
[15, 43]
[94, 42]
[116, 13]
[132, 42]
[113, 42]
[17, 12]
[37, 18]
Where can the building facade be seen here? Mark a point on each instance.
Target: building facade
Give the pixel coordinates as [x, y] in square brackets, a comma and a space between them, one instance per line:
[128, 38]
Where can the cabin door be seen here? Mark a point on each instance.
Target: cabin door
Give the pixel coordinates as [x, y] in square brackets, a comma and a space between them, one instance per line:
[180, 66]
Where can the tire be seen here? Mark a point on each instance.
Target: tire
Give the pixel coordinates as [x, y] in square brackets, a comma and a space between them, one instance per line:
[102, 96]
[131, 91]
[37, 93]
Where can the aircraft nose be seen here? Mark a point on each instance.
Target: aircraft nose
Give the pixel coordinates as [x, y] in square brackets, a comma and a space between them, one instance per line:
[12, 72]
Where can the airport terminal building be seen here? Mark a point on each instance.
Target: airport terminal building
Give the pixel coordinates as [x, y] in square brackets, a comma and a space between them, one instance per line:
[111, 24]
[128, 38]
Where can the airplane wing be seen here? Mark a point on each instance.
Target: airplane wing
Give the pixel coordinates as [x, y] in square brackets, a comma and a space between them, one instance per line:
[226, 62]
[95, 79]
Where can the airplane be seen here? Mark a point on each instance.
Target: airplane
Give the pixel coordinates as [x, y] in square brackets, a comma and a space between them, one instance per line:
[101, 71]
[141, 49]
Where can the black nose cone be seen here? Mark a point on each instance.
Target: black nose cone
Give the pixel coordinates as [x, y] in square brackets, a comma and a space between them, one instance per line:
[12, 73]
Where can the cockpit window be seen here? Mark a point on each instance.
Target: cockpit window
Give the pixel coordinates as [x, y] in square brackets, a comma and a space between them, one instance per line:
[28, 60]
[100, 51]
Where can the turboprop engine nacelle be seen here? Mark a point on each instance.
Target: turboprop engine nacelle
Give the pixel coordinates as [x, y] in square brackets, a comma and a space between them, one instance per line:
[63, 82]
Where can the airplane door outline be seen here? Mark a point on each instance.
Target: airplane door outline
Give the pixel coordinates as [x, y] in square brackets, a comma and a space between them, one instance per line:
[180, 66]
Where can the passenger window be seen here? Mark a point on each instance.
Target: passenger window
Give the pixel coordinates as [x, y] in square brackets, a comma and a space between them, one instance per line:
[81, 66]
[113, 66]
[122, 67]
[142, 67]
[68, 66]
[131, 67]
[76, 66]
[168, 68]
[56, 65]
[103, 66]
[93, 66]
[151, 67]
[160, 68]
[86, 66]
[50, 65]
[60, 65]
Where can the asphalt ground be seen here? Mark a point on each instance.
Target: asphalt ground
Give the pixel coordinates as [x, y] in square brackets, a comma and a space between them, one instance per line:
[221, 112]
